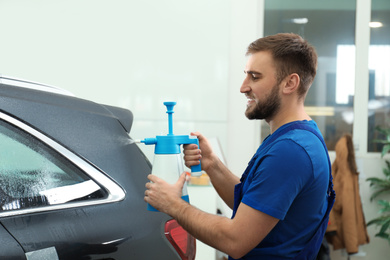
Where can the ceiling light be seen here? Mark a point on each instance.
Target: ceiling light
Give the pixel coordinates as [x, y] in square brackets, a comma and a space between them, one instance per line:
[375, 24]
[300, 20]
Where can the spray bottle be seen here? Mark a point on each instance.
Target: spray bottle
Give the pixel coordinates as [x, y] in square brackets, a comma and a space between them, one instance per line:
[168, 163]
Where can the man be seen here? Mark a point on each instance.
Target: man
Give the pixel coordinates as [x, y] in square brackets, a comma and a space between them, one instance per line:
[281, 202]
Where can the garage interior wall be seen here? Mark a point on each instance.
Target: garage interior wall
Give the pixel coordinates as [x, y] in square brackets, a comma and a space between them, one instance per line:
[138, 54]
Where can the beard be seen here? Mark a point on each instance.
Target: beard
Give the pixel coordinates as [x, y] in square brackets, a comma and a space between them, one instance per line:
[266, 109]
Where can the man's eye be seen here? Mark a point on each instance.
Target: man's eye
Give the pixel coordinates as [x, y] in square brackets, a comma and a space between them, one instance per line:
[254, 77]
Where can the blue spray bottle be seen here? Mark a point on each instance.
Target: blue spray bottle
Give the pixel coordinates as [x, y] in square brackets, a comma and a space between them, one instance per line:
[168, 163]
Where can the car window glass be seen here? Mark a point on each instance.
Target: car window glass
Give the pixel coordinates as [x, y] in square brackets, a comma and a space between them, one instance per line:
[34, 175]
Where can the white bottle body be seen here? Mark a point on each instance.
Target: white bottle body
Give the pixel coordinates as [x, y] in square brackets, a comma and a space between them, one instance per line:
[169, 167]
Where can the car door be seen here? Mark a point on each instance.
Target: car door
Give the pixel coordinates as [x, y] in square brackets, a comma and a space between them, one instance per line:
[9, 248]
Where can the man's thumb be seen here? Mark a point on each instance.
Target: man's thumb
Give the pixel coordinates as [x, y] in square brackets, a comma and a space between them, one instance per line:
[182, 179]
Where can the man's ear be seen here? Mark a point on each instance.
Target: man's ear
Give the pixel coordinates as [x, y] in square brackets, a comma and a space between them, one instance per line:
[292, 84]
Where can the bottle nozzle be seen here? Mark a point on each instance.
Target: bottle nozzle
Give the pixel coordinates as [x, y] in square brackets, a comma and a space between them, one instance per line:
[149, 141]
[170, 111]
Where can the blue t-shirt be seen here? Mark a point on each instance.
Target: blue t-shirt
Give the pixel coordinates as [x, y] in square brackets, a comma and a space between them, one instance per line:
[288, 179]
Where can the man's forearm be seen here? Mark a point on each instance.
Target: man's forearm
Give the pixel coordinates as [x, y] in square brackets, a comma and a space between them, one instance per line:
[223, 181]
[212, 230]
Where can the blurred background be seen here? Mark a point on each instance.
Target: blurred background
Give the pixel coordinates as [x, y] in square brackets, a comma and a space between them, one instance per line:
[138, 54]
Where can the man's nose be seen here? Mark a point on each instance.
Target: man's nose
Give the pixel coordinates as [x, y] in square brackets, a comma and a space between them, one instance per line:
[245, 86]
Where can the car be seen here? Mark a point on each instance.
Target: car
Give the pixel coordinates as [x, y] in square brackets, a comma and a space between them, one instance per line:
[72, 181]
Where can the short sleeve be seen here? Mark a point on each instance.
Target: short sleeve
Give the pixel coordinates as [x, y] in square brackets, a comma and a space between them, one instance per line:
[278, 179]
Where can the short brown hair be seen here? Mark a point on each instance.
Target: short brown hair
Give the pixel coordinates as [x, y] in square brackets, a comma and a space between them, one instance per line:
[291, 54]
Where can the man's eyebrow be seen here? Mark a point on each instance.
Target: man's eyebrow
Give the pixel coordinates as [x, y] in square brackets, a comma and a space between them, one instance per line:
[252, 72]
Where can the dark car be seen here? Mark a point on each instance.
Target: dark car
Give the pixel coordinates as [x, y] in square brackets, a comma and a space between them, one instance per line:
[72, 182]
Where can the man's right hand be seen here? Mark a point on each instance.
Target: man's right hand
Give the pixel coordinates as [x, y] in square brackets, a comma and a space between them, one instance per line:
[193, 154]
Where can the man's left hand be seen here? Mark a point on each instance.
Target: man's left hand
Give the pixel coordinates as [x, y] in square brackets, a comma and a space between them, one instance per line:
[163, 195]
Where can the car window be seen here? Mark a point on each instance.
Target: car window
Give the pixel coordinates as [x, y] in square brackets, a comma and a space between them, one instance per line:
[33, 175]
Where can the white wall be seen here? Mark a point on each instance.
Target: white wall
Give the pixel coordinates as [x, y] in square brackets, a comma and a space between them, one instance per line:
[137, 54]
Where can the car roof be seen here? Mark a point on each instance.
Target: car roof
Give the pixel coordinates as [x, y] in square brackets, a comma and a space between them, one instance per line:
[32, 85]
[37, 93]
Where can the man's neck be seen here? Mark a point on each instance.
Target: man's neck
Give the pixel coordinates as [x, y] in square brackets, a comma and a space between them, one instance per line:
[287, 115]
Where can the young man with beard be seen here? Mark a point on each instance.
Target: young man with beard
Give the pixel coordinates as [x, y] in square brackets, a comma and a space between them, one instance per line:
[281, 202]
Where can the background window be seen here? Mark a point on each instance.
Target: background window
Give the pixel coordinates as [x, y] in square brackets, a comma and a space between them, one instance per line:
[33, 175]
[379, 74]
[330, 27]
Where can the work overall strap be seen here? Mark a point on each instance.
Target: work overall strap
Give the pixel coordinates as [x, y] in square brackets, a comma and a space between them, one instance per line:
[310, 251]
